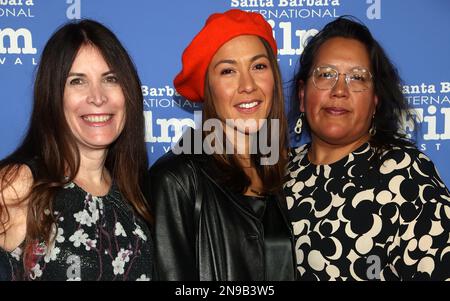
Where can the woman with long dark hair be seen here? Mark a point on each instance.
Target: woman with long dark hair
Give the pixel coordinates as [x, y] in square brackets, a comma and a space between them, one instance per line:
[71, 202]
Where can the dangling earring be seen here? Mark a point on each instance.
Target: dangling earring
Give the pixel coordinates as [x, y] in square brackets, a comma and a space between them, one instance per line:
[373, 129]
[299, 124]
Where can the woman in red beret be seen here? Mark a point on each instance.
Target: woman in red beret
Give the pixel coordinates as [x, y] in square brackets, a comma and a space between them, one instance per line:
[217, 197]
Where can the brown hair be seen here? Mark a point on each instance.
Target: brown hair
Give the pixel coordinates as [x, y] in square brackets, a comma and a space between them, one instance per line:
[49, 143]
[271, 175]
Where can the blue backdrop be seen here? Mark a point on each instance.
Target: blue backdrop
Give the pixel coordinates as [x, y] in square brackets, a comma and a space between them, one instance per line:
[415, 34]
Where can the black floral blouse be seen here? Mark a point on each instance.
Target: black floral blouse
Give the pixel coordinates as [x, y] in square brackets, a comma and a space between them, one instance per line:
[369, 217]
[97, 238]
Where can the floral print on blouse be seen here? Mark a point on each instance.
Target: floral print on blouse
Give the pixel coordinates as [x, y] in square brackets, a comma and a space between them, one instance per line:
[96, 238]
[369, 217]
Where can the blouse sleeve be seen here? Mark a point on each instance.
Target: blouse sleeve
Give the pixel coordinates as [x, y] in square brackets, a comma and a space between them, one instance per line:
[424, 242]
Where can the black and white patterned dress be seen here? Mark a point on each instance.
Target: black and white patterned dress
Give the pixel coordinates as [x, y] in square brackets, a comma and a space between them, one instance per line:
[369, 218]
[96, 238]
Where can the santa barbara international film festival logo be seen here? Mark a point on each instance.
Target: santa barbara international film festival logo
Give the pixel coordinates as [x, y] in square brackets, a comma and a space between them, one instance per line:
[16, 9]
[282, 15]
[161, 132]
[16, 43]
[430, 104]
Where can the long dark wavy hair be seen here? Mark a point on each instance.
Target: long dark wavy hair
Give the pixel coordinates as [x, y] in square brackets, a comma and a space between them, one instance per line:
[49, 142]
[271, 176]
[392, 107]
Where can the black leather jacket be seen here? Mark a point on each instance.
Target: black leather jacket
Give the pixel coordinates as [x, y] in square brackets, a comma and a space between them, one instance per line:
[201, 231]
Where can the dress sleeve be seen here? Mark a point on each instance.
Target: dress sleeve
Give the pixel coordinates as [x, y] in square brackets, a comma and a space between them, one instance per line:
[174, 231]
[423, 236]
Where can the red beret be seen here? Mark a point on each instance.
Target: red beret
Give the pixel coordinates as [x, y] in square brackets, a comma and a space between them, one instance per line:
[218, 29]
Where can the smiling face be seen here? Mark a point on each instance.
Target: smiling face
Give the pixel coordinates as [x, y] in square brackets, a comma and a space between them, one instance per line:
[339, 116]
[241, 81]
[94, 103]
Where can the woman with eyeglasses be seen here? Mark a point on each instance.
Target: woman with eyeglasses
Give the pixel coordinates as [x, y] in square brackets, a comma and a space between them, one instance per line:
[364, 202]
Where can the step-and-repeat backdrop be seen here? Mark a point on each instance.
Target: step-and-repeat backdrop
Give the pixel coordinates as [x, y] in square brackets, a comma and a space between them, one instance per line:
[415, 33]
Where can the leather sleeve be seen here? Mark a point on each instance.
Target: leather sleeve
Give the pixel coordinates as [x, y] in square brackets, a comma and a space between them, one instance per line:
[173, 207]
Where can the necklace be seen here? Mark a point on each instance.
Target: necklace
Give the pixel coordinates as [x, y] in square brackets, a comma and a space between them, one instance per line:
[258, 193]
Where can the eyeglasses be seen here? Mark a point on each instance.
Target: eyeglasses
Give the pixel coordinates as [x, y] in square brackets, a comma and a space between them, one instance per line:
[357, 79]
